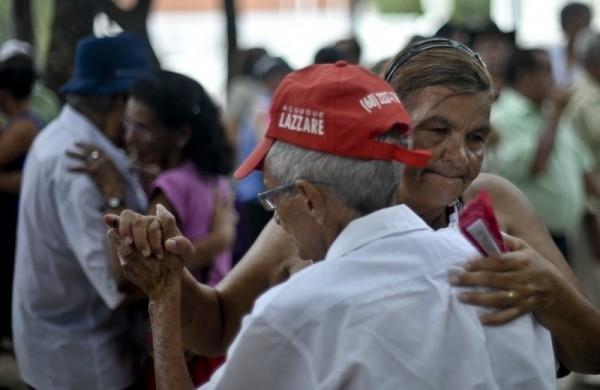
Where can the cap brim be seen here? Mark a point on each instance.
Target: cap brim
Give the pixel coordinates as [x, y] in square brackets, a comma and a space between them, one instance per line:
[255, 160]
[414, 158]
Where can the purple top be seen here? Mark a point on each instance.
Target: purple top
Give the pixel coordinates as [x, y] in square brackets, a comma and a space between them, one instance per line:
[192, 196]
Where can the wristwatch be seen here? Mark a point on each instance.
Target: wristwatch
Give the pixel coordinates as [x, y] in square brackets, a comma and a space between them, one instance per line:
[114, 202]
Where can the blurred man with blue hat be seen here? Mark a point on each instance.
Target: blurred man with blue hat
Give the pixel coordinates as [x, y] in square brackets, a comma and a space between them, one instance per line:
[71, 326]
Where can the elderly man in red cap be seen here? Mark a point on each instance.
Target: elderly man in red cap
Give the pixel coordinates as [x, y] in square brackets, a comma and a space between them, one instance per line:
[375, 311]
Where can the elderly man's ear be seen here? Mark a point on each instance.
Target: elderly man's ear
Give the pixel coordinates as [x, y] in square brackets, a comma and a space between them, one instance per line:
[314, 199]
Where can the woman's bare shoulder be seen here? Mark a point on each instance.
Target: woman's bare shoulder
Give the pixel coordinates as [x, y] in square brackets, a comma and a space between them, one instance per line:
[511, 206]
[500, 190]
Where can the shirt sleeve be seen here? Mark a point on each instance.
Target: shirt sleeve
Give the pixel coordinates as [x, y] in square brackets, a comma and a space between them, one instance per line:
[173, 186]
[78, 206]
[262, 357]
[586, 119]
[585, 155]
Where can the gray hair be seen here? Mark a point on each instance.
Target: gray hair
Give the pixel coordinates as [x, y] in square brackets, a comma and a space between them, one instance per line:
[362, 185]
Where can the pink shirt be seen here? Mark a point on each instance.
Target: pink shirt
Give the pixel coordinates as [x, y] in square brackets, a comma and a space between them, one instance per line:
[192, 196]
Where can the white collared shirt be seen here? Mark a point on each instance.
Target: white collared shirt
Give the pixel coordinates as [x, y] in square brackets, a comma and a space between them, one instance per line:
[68, 332]
[379, 313]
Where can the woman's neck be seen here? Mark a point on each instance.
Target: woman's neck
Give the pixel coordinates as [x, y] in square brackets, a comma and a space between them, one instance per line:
[436, 218]
[173, 160]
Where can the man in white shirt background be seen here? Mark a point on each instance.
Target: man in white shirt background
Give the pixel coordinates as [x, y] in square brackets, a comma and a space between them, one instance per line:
[377, 312]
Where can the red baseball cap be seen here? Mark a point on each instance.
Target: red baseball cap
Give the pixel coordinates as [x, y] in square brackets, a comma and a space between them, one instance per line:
[337, 109]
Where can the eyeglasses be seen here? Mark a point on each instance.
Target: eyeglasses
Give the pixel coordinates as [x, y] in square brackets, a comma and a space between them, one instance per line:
[266, 198]
[426, 44]
[139, 129]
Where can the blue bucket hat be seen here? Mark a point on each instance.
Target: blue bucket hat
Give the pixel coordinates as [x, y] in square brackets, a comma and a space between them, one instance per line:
[105, 66]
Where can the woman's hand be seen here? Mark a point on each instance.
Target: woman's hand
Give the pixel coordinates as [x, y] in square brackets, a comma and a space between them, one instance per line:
[523, 281]
[100, 168]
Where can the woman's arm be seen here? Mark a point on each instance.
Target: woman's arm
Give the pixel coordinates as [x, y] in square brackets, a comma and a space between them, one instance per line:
[553, 293]
[212, 317]
[16, 140]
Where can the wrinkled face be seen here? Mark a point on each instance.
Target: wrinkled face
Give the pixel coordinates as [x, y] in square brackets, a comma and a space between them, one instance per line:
[146, 140]
[294, 217]
[454, 128]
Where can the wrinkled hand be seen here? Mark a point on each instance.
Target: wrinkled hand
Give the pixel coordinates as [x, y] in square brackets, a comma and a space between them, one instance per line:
[101, 169]
[139, 239]
[523, 281]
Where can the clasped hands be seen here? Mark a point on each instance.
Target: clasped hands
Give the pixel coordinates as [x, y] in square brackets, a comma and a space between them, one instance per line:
[150, 248]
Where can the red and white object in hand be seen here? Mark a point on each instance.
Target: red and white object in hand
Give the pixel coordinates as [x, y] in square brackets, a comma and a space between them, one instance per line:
[478, 224]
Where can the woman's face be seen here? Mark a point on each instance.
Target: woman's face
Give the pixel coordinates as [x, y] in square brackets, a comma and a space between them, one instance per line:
[454, 128]
[147, 142]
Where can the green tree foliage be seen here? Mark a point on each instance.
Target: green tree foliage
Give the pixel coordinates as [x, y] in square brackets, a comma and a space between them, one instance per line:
[470, 11]
[5, 20]
[399, 6]
[43, 14]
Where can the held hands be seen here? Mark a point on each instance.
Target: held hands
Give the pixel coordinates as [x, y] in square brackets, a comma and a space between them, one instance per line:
[139, 240]
[522, 280]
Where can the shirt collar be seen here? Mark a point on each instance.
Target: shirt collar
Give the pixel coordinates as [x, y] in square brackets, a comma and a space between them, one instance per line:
[392, 220]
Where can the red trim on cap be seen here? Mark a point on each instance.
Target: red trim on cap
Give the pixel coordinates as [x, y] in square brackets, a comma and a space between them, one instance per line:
[255, 160]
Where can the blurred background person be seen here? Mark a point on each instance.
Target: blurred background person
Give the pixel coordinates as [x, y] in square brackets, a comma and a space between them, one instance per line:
[244, 87]
[16, 135]
[583, 112]
[350, 50]
[42, 102]
[494, 46]
[252, 216]
[173, 125]
[327, 55]
[574, 17]
[453, 30]
[537, 151]
[73, 325]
